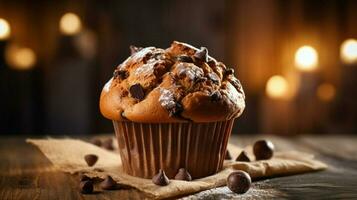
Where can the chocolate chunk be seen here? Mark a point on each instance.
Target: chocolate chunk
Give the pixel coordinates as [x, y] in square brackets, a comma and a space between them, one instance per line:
[212, 63]
[236, 84]
[239, 182]
[83, 177]
[228, 155]
[201, 55]
[96, 142]
[160, 69]
[86, 187]
[216, 96]
[213, 77]
[263, 149]
[183, 175]
[229, 71]
[120, 74]
[108, 183]
[137, 91]
[176, 110]
[91, 159]
[185, 58]
[243, 157]
[134, 49]
[160, 178]
[108, 144]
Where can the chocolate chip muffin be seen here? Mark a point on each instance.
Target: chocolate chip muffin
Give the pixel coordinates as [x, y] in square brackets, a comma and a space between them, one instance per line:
[172, 108]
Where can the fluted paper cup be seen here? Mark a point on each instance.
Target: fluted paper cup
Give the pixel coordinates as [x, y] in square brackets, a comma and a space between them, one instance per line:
[147, 147]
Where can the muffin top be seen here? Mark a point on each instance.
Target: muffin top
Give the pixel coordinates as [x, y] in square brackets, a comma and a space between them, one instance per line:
[177, 84]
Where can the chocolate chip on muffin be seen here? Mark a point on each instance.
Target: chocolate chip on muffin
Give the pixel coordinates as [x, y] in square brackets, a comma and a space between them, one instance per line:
[185, 58]
[167, 101]
[229, 71]
[201, 55]
[137, 91]
[120, 74]
[216, 96]
[213, 77]
[134, 49]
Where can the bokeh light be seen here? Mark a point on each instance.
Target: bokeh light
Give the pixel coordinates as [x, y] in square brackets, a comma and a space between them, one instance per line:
[348, 51]
[5, 29]
[277, 87]
[20, 58]
[306, 58]
[326, 92]
[70, 24]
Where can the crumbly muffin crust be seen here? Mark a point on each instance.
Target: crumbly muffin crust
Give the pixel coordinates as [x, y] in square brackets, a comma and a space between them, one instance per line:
[177, 84]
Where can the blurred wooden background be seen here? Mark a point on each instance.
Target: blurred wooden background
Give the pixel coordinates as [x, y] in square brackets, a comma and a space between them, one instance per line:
[59, 92]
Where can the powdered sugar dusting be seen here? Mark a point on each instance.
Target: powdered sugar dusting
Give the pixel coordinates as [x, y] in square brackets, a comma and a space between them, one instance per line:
[167, 98]
[191, 71]
[145, 70]
[107, 85]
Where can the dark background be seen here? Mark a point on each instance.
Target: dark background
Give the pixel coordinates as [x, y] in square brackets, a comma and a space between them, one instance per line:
[59, 93]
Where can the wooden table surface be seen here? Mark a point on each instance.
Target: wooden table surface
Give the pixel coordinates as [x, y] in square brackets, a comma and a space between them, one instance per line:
[26, 174]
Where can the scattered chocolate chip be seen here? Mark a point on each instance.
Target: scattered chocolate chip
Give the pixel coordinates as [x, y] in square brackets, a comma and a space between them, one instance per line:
[160, 178]
[216, 96]
[108, 183]
[134, 49]
[183, 175]
[185, 58]
[229, 71]
[137, 91]
[86, 187]
[213, 77]
[91, 159]
[228, 155]
[263, 149]
[201, 55]
[239, 182]
[121, 74]
[83, 177]
[108, 144]
[96, 142]
[243, 157]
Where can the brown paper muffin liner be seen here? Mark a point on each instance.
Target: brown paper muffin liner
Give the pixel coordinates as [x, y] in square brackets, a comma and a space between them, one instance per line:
[147, 147]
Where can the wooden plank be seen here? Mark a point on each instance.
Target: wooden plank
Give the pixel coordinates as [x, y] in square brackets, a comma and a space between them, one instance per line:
[26, 174]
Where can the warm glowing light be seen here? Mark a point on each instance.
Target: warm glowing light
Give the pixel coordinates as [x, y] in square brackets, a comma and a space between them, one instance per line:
[4, 29]
[348, 51]
[70, 24]
[20, 57]
[326, 92]
[277, 87]
[306, 58]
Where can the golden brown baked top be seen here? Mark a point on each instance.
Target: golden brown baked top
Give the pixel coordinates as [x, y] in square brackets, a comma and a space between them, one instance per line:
[177, 84]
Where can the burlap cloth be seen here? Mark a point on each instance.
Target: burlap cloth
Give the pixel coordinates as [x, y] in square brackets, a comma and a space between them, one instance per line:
[67, 155]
